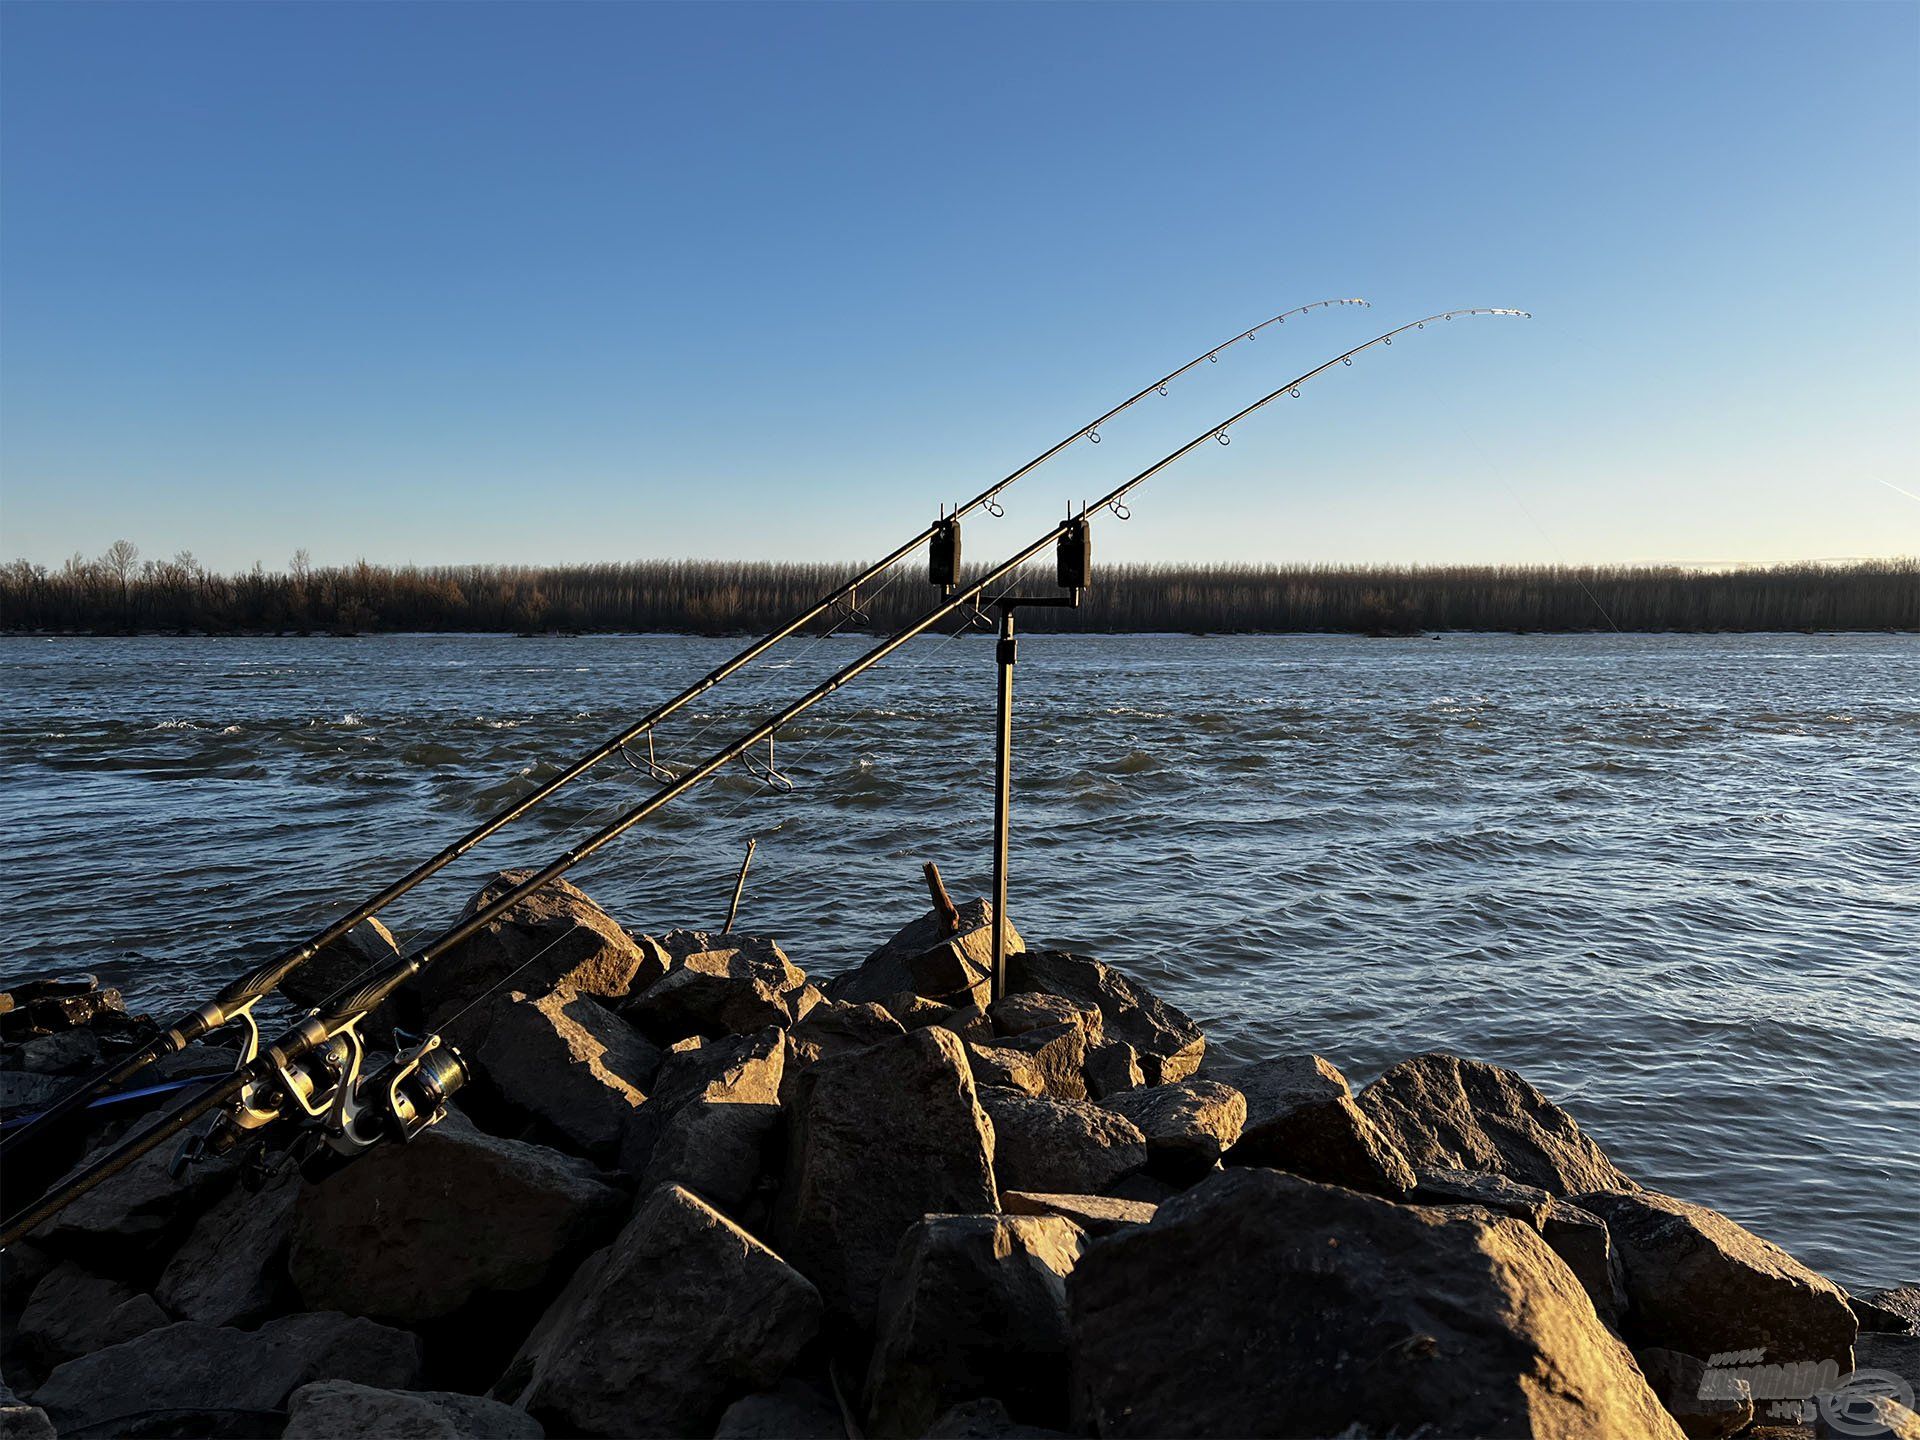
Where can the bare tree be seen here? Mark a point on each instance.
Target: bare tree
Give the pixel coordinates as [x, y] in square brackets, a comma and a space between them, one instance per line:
[120, 557]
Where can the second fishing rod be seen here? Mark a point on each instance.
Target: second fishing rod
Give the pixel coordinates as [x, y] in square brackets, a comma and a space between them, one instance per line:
[234, 1002]
[264, 1080]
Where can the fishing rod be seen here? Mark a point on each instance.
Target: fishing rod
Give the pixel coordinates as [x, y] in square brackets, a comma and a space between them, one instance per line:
[313, 1065]
[235, 1001]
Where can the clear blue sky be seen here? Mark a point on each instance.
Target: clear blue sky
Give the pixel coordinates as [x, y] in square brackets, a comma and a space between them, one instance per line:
[491, 282]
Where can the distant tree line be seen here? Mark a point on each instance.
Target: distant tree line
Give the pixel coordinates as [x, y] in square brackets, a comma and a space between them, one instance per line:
[120, 593]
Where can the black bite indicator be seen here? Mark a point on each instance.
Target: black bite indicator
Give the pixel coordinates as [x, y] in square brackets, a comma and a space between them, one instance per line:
[1074, 556]
[943, 554]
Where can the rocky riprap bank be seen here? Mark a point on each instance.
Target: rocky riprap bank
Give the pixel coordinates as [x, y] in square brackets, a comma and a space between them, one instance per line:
[692, 1193]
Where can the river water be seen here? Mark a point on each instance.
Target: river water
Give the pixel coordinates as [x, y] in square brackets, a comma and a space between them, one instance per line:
[1673, 880]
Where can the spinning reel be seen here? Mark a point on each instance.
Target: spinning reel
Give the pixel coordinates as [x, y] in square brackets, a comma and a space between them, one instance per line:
[321, 1110]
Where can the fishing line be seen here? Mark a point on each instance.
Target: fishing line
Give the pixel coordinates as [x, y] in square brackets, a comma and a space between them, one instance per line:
[268, 1080]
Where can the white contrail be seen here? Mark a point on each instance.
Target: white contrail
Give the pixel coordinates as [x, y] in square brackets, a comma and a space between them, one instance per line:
[1901, 488]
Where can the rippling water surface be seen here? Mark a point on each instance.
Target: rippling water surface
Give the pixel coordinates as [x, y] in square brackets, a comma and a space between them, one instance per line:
[1674, 880]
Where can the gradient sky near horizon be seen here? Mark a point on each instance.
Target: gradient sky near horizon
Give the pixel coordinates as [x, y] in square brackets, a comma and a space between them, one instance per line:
[457, 282]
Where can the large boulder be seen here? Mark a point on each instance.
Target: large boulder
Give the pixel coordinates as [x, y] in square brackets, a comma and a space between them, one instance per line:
[566, 1061]
[1704, 1410]
[1302, 1118]
[554, 939]
[1699, 1283]
[720, 985]
[1021, 1011]
[833, 1027]
[713, 1119]
[1168, 1046]
[1577, 1236]
[1260, 1304]
[1189, 1124]
[877, 1139]
[738, 1070]
[331, 1409]
[231, 1269]
[974, 1305]
[341, 963]
[1454, 1114]
[1069, 1146]
[417, 1231]
[1004, 1069]
[75, 1312]
[926, 959]
[128, 1224]
[190, 1366]
[686, 1313]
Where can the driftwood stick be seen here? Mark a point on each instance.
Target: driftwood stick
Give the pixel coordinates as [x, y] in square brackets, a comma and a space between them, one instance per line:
[943, 902]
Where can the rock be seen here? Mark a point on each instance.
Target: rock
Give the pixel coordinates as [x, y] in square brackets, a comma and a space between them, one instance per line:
[23, 1266]
[75, 1312]
[330, 1409]
[916, 1012]
[1097, 1215]
[1577, 1236]
[719, 985]
[1698, 1283]
[1168, 1044]
[44, 1007]
[969, 1022]
[1895, 1311]
[414, 1232]
[985, 1420]
[1056, 1053]
[337, 965]
[231, 1270]
[69, 1052]
[580, 947]
[834, 1027]
[711, 1118]
[1454, 1114]
[877, 1139]
[1281, 1306]
[190, 1366]
[794, 1410]
[1006, 1069]
[1704, 1412]
[21, 1421]
[1069, 1146]
[568, 1062]
[129, 1222]
[1110, 1068]
[22, 1091]
[1189, 1124]
[925, 960]
[1581, 1239]
[973, 1305]
[1016, 1014]
[1865, 1417]
[687, 1312]
[1891, 1355]
[1302, 1118]
[1471, 1187]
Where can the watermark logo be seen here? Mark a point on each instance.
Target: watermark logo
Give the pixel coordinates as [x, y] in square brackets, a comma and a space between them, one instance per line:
[1800, 1391]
